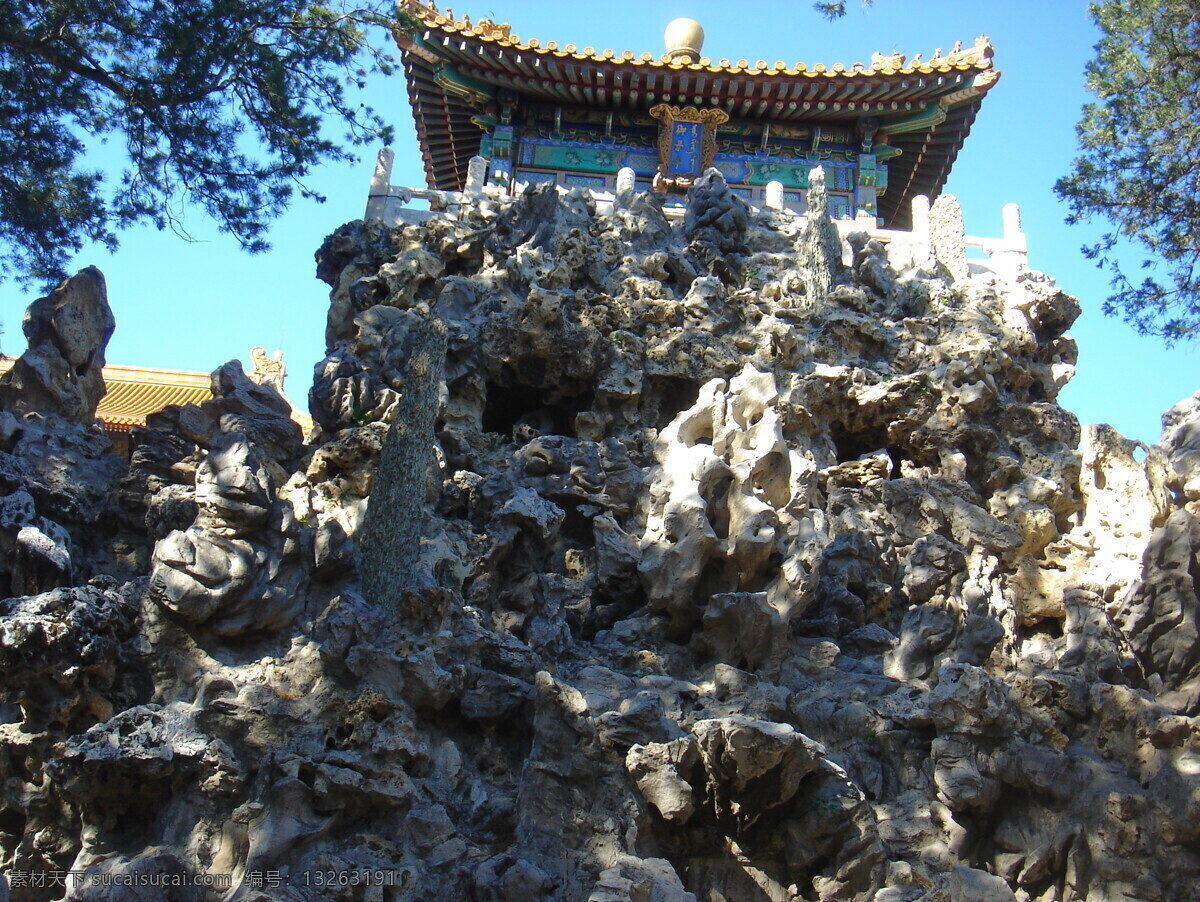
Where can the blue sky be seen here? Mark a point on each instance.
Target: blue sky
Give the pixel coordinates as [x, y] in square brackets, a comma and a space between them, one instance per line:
[195, 305]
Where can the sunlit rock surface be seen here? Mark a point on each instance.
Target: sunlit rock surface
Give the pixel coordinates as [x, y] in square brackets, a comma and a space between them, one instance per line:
[717, 558]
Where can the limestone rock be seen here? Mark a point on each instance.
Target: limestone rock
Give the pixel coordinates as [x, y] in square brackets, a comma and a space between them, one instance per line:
[633, 557]
[946, 232]
[62, 519]
[68, 654]
[232, 568]
[238, 405]
[391, 540]
[640, 880]
[1160, 616]
[1181, 442]
[663, 773]
[62, 371]
[752, 767]
[820, 246]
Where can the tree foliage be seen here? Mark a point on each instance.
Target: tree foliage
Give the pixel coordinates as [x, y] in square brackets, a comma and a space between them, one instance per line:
[1139, 166]
[836, 9]
[220, 103]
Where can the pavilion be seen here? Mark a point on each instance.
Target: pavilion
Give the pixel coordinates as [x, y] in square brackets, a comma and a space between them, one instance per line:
[884, 132]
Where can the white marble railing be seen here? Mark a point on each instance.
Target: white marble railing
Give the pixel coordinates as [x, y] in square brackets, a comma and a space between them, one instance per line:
[936, 231]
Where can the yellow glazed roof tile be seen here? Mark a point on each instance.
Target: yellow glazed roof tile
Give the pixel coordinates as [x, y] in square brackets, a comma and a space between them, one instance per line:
[977, 56]
[133, 393]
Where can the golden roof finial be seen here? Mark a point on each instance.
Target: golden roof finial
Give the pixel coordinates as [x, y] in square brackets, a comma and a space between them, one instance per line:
[684, 39]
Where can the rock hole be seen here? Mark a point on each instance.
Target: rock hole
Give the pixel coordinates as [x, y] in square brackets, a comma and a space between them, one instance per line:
[898, 456]
[1140, 452]
[715, 492]
[457, 266]
[20, 766]
[697, 430]
[576, 528]
[853, 445]
[307, 773]
[527, 412]
[714, 579]
[1050, 627]
[665, 396]
[609, 609]
[12, 822]
[1099, 477]
[770, 480]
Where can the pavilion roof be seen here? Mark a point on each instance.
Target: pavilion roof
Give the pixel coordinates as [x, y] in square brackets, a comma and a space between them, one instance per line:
[133, 392]
[926, 107]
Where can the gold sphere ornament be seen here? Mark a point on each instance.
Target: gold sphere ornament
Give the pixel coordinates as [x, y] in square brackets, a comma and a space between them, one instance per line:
[684, 39]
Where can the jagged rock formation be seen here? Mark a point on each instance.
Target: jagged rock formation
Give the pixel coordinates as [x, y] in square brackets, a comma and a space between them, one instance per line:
[62, 371]
[63, 517]
[753, 564]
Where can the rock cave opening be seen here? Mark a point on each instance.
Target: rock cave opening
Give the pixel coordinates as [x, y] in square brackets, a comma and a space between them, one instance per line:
[12, 824]
[851, 445]
[663, 397]
[577, 527]
[1047, 627]
[522, 408]
[716, 578]
[714, 489]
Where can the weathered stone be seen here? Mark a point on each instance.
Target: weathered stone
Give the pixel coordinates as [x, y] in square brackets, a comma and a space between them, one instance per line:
[1160, 615]
[62, 371]
[230, 568]
[698, 564]
[752, 766]
[1181, 442]
[640, 880]
[68, 654]
[663, 772]
[820, 246]
[742, 629]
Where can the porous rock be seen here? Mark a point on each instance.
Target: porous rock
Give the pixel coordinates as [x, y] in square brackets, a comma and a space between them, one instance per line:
[61, 373]
[633, 557]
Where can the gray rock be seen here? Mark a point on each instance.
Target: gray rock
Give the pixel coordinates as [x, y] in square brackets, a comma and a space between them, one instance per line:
[239, 405]
[391, 540]
[61, 372]
[640, 880]
[947, 236]
[752, 766]
[693, 563]
[820, 246]
[1160, 616]
[68, 654]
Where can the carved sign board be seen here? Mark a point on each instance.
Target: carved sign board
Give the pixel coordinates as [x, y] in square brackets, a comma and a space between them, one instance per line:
[687, 140]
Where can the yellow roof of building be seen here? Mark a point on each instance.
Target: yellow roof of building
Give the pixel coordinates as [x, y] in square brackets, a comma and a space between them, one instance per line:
[960, 59]
[133, 393]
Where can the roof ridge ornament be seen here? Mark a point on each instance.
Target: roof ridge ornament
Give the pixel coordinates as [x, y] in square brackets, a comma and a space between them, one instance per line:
[684, 39]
